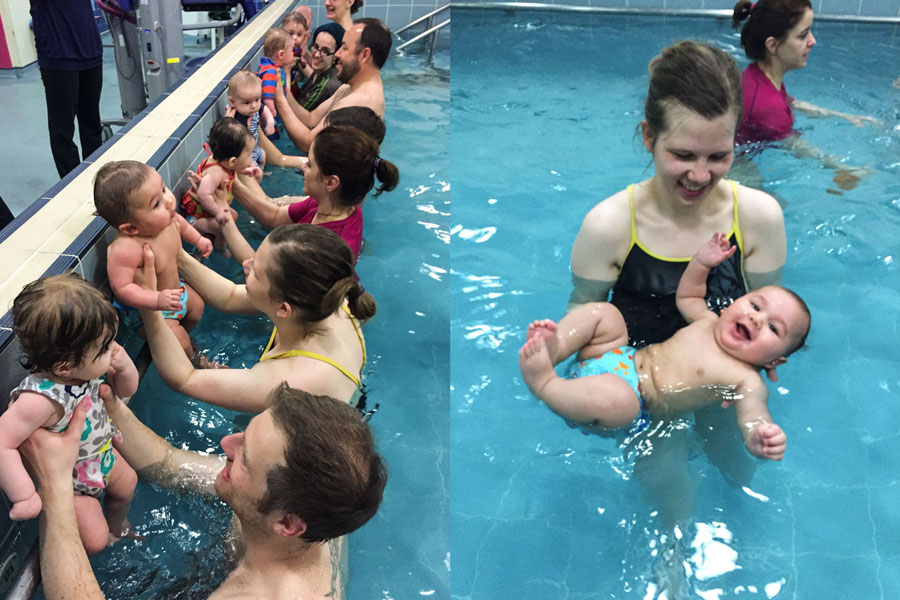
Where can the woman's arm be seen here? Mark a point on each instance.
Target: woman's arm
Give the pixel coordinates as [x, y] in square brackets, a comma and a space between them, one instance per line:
[217, 291]
[301, 133]
[275, 157]
[598, 249]
[259, 206]
[817, 111]
[244, 390]
[765, 245]
[241, 250]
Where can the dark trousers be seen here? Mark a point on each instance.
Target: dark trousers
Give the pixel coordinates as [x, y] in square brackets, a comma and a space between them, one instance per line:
[72, 94]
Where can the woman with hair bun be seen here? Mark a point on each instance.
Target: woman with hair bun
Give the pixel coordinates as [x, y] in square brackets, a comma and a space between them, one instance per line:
[302, 278]
[777, 36]
[343, 166]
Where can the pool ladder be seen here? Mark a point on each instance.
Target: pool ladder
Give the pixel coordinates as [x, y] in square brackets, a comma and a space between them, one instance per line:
[431, 30]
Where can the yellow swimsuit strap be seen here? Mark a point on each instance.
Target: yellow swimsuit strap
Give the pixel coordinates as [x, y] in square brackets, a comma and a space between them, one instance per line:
[735, 228]
[316, 356]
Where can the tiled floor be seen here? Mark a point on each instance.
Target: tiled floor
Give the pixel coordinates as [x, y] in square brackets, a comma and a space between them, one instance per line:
[27, 165]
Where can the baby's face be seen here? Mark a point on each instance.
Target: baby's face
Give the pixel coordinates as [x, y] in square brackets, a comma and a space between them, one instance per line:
[762, 326]
[247, 99]
[152, 206]
[285, 57]
[245, 160]
[298, 34]
[94, 364]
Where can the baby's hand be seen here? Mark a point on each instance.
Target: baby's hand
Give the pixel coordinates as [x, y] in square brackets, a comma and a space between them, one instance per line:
[767, 441]
[171, 299]
[223, 217]
[204, 245]
[119, 359]
[713, 252]
[26, 509]
[230, 111]
[253, 171]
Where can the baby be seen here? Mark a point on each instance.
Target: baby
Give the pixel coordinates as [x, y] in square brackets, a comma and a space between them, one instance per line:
[245, 105]
[278, 54]
[230, 147]
[713, 359]
[133, 198]
[66, 328]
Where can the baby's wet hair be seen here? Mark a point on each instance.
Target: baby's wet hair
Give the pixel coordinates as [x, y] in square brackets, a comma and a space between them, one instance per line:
[241, 79]
[114, 188]
[276, 39]
[60, 320]
[228, 138]
[362, 117]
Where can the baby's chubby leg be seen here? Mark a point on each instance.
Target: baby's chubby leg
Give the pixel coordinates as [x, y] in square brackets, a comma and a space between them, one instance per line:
[92, 525]
[195, 306]
[604, 401]
[119, 492]
[591, 329]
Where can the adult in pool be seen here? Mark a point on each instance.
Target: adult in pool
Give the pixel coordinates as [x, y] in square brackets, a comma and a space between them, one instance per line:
[778, 38]
[302, 278]
[637, 243]
[271, 475]
[342, 11]
[342, 168]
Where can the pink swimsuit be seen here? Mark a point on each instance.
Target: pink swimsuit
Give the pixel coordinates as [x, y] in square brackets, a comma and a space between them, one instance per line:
[767, 111]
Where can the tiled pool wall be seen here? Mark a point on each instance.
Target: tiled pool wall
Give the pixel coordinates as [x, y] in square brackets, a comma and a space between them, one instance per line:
[860, 8]
[179, 152]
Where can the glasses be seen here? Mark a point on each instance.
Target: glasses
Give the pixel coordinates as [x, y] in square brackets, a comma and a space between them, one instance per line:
[323, 51]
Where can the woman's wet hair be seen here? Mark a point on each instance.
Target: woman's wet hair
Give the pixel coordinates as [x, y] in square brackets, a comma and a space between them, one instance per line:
[332, 476]
[362, 117]
[311, 268]
[765, 19]
[353, 156]
[62, 320]
[115, 184]
[354, 8]
[697, 76]
[228, 138]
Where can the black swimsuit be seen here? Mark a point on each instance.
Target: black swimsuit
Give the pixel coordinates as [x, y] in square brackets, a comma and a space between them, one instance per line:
[645, 289]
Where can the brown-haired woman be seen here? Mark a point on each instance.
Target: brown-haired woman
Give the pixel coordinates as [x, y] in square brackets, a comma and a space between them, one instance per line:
[342, 168]
[778, 38]
[302, 278]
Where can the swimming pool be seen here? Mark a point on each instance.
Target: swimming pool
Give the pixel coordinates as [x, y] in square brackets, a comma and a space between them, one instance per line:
[544, 125]
[403, 551]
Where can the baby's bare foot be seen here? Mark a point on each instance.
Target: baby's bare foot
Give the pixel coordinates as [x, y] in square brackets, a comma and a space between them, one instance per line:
[546, 329]
[535, 364]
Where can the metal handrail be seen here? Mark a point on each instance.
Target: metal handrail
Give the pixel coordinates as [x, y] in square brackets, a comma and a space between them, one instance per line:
[423, 18]
[424, 34]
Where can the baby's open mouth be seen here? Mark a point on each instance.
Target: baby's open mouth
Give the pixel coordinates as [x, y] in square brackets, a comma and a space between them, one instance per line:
[743, 331]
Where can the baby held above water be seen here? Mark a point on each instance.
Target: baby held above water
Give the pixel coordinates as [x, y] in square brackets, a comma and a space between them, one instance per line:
[715, 359]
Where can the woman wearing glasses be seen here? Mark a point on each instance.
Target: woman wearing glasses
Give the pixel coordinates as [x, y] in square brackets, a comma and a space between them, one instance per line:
[321, 71]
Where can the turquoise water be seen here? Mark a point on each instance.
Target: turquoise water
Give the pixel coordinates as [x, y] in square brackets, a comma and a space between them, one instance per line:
[403, 551]
[544, 125]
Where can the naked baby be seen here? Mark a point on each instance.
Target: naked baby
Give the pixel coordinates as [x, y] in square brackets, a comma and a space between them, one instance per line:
[715, 359]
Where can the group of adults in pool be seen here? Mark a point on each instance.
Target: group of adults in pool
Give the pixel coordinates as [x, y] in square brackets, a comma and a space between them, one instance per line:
[647, 251]
[305, 471]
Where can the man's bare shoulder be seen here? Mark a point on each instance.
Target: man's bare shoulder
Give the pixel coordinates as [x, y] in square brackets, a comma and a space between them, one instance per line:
[369, 95]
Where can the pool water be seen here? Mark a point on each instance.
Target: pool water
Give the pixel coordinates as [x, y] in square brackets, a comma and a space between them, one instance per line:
[403, 551]
[545, 118]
